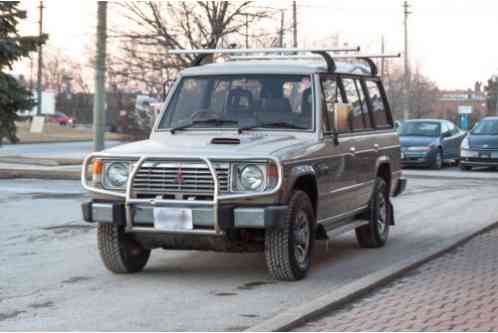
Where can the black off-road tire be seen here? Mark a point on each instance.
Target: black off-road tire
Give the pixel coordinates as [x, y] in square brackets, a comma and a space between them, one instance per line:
[120, 253]
[280, 243]
[371, 235]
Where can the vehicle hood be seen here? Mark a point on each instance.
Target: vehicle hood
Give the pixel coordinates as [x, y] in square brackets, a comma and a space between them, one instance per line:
[201, 144]
[416, 141]
[480, 141]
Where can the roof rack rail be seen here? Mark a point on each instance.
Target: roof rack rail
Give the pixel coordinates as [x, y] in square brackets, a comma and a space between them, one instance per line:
[331, 68]
[203, 53]
[291, 53]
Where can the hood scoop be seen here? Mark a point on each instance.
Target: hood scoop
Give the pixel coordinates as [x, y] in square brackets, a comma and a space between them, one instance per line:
[225, 141]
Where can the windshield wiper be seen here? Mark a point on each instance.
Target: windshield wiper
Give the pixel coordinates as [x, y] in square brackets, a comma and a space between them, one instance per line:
[278, 124]
[214, 121]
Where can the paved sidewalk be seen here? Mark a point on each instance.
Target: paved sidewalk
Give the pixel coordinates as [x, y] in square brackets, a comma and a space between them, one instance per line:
[456, 292]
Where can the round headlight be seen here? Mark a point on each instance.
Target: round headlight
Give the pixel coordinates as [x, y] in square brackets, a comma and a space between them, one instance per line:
[252, 178]
[117, 174]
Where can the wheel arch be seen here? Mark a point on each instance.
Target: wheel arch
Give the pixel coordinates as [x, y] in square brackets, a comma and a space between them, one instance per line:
[384, 170]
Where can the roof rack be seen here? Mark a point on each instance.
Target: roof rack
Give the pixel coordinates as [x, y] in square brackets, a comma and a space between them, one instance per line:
[331, 67]
[290, 53]
[203, 53]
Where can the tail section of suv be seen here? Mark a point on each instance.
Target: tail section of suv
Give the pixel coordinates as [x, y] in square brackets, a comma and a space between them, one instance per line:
[252, 156]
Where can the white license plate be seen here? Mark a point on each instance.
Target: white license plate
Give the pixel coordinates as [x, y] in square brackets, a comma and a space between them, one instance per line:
[173, 219]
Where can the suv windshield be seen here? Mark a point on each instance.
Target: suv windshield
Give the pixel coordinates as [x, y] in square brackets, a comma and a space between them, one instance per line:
[420, 128]
[241, 101]
[486, 127]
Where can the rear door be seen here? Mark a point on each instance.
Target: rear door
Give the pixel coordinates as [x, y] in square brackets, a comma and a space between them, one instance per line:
[365, 145]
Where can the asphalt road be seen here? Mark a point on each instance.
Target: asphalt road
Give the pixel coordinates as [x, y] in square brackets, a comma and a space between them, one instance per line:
[72, 150]
[52, 277]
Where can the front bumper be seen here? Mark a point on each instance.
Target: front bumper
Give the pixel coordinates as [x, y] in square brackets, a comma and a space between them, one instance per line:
[229, 217]
[417, 158]
[479, 162]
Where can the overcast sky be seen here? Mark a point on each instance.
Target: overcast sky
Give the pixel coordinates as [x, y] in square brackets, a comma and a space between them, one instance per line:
[454, 42]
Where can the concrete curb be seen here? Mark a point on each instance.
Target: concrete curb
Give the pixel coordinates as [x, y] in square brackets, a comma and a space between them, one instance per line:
[332, 301]
[40, 174]
[452, 178]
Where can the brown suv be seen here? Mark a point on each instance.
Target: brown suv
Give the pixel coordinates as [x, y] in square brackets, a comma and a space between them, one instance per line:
[260, 155]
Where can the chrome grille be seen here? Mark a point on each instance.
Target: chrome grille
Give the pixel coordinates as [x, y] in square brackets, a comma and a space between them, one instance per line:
[162, 178]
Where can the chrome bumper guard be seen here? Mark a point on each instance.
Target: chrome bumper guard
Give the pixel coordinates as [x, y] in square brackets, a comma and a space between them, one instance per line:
[205, 206]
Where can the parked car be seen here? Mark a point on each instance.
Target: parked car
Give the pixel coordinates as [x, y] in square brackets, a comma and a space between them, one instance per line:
[61, 119]
[252, 156]
[430, 142]
[480, 147]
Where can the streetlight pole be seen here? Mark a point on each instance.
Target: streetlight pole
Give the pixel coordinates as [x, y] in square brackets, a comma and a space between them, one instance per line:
[100, 68]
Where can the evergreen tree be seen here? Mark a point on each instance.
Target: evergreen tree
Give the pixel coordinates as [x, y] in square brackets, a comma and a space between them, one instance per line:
[13, 47]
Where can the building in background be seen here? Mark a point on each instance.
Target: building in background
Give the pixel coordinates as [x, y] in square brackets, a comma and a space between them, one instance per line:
[463, 107]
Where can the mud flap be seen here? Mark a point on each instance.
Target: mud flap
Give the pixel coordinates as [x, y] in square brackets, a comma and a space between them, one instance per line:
[390, 209]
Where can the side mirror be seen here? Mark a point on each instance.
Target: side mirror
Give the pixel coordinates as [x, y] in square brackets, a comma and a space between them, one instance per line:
[446, 135]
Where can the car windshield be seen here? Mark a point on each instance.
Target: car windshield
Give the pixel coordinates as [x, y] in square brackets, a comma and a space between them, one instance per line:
[241, 101]
[420, 128]
[486, 127]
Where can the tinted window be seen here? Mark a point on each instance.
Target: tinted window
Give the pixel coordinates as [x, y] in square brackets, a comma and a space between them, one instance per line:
[379, 110]
[420, 128]
[266, 101]
[486, 127]
[355, 97]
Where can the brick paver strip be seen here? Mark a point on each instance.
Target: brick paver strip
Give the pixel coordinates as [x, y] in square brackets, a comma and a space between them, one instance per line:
[455, 292]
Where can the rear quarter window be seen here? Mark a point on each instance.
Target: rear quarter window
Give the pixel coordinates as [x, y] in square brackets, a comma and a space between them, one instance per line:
[379, 109]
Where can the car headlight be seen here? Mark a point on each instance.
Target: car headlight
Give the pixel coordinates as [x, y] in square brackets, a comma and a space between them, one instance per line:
[254, 177]
[116, 175]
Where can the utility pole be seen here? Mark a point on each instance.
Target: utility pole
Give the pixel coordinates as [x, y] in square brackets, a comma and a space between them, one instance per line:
[39, 87]
[496, 86]
[294, 23]
[247, 31]
[382, 61]
[282, 22]
[406, 108]
[100, 68]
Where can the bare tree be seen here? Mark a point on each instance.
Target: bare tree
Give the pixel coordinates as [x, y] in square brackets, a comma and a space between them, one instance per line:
[63, 74]
[424, 93]
[153, 28]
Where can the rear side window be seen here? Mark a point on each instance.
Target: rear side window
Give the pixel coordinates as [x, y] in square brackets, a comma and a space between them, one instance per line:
[354, 94]
[331, 96]
[379, 109]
